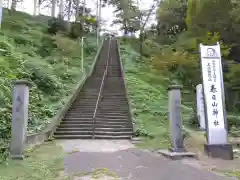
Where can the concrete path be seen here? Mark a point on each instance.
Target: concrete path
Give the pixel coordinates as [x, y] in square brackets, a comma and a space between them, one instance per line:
[110, 160]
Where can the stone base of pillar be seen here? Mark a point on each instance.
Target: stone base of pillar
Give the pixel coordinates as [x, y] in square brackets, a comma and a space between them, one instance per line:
[177, 155]
[177, 150]
[222, 151]
[17, 157]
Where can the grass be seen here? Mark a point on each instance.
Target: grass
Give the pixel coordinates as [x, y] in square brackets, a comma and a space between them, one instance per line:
[149, 100]
[233, 173]
[43, 162]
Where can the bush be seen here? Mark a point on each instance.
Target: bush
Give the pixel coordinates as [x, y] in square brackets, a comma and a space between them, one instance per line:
[57, 24]
[76, 30]
[233, 121]
[47, 46]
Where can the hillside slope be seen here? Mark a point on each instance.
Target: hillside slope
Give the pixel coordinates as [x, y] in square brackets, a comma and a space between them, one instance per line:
[147, 88]
[149, 100]
[51, 62]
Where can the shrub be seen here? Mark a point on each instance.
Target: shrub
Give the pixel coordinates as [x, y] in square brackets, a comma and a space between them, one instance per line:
[47, 45]
[57, 24]
[76, 30]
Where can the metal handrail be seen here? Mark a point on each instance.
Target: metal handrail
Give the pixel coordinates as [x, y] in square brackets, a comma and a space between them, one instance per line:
[100, 90]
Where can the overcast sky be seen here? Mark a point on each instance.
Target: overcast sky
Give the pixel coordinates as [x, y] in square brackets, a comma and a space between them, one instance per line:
[107, 12]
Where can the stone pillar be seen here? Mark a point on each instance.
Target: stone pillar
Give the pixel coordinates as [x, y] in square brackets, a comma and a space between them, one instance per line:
[19, 118]
[200, 107]
[174, 115]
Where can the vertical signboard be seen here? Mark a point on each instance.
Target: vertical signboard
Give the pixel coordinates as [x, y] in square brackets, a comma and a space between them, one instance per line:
[200, 107]
[213, 94]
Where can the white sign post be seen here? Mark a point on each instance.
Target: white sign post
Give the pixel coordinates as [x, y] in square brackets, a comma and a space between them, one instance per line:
[200, 107]
[217, 141]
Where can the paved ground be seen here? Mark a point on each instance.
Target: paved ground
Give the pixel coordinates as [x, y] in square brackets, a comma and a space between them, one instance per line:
[123, 161]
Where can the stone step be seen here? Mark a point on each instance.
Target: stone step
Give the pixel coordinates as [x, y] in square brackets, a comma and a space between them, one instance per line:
[79, 116]
[76, 122]
[85, 102]
[116, 104]
[112, 117]
[100, 122]
[120, 129]
[86, 110]
[80, 113]
[104, 125]
[82, 119]
[108, 105]
[115, 111]
[90, 128]
[111, 137]
[84, 105]
[83, 108]
[119, 95]
[112, 109]
[73, 133]
[73, 136]
[108, 121]
[112, 113]
[113, 97]
[107, 91]
[79, 125]
[113, 133]
[93, 94]
[113, 100]
[90, 97]
[106, 133]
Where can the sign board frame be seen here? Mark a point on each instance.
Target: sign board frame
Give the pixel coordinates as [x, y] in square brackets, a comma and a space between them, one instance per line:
[213, 89]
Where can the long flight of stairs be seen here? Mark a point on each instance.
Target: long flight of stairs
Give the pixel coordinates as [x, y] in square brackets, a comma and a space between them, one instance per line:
[100, 117]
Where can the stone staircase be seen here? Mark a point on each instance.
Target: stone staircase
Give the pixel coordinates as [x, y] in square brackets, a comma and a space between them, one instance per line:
[101, 109]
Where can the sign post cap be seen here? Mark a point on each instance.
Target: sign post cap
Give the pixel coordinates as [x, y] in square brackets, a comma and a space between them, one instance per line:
[176, 86]
[22, 82]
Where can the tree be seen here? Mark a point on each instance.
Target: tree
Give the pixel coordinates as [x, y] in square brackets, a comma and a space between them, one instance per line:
[69, 9]
[171, 16]
[14, 5]
[127, 14]
[213, 16]
[35, 7]
[53, 10]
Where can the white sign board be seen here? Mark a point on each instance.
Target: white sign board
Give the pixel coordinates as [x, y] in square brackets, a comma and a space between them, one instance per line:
[200, 106]
[212, 84]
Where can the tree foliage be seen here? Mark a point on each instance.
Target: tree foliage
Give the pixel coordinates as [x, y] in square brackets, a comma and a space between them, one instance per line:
[171, 45]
